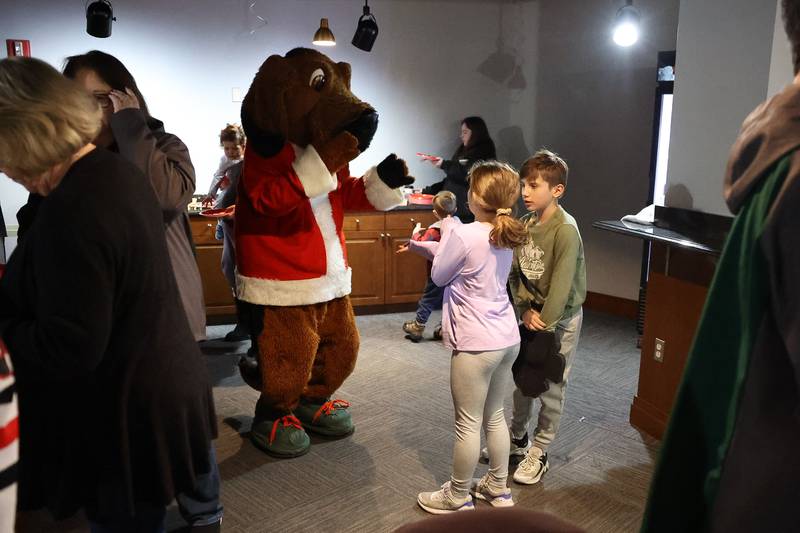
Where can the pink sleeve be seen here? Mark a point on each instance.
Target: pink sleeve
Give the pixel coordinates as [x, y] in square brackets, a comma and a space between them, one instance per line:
[426, 249]
[450, 257]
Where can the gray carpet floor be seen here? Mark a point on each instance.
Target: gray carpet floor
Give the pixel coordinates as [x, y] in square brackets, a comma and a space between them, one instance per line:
[600, 465]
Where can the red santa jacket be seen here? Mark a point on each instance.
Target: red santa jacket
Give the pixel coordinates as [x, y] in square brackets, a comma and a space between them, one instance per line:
[289, 212]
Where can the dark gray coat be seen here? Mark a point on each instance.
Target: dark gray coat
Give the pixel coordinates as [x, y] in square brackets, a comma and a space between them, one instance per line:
[165, 160]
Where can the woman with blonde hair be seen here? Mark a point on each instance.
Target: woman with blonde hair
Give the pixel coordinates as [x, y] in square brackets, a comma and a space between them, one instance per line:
[472, 262]
[116, 412]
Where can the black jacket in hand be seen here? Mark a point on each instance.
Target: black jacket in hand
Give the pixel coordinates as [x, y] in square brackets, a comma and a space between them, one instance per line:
[539, 361]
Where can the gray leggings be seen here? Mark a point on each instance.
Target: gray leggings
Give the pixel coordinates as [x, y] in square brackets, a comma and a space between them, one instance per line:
[479, 382]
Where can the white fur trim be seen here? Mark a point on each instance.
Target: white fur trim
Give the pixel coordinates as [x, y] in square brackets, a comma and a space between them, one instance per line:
[313, 173]
[334, 284]
[379, 194]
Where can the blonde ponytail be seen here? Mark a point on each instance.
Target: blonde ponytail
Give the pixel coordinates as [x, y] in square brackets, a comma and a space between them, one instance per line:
[495, 187]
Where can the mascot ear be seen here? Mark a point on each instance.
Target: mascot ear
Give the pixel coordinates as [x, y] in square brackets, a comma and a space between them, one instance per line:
[264, 114]
[345, 72]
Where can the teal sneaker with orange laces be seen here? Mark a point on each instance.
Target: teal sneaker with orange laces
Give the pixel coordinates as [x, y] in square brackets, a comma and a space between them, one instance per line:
[329, 417]
[284, 437]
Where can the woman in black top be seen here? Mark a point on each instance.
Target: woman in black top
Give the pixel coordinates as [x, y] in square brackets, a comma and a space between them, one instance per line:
[476, 145]
[116, 411]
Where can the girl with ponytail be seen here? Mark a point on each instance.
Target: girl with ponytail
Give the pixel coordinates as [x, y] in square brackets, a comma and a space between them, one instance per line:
[472, 262]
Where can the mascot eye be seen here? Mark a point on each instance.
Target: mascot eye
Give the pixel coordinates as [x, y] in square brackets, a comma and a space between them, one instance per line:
[318, 79]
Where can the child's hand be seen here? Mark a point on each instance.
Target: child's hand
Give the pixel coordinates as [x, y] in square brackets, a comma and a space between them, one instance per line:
[533, 321]
[401, 248]
[207, 201]
[123, 100]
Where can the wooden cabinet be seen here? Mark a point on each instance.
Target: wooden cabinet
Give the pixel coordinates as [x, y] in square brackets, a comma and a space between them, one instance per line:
[676, 293]
[366, 253]
[216, 291]
[380, 276]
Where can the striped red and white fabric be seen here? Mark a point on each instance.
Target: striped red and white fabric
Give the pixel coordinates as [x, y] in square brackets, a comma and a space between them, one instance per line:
[9, 442]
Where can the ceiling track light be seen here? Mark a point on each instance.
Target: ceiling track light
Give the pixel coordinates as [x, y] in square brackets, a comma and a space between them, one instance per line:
[367, 30]
[99, 16]
[324, 35]
[626, 25]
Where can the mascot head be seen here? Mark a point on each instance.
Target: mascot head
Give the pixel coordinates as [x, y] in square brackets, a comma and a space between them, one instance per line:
[304, 98]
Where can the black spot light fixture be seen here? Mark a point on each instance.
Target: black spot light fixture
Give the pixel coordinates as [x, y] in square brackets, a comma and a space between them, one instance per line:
[99, 16]
[367, 30]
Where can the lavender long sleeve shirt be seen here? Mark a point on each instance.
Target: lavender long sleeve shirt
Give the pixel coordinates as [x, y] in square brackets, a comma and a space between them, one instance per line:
[476, 313]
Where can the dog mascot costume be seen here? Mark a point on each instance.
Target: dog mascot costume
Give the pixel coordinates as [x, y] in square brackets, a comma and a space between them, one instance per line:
[303, 127]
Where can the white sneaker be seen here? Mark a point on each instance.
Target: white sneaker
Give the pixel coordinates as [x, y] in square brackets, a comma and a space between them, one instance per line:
[519, 447]
[444, 501]
[481, 490]
[531, 469]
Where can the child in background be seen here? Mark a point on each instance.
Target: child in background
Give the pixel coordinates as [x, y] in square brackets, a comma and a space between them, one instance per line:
[232, 140]
[548, 286]
[472, 262]
[444, 205]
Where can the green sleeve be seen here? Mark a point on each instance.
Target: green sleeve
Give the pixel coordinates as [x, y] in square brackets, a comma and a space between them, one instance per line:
[565, 250]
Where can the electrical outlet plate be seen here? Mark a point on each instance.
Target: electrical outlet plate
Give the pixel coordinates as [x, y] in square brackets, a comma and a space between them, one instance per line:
[658, 352]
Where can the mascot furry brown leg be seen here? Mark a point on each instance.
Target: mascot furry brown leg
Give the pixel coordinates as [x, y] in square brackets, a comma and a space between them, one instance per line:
[303, 126]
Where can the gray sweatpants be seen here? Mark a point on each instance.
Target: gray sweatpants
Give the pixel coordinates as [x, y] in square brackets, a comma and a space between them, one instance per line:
[568, 332]
[479, 381]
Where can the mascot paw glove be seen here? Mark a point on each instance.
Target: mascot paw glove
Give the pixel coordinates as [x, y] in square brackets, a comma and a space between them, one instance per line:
[394, 172]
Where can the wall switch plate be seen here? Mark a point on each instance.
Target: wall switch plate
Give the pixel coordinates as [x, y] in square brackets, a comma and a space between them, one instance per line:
[658, 353]
[236, 95]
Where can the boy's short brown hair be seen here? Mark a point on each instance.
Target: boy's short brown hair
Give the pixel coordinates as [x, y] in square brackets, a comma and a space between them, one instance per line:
[444, 203]
[232, 133]
[548, 165]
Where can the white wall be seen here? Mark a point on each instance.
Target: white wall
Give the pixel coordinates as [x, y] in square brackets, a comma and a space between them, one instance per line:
[540, 72]
[781, 67]
[422, 75]
[723, 71]
[595, 107]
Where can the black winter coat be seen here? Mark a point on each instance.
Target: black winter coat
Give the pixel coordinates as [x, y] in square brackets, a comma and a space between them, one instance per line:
[456, 171]
[114, 398]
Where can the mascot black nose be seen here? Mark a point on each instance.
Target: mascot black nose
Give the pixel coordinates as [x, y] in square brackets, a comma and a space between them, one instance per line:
[364, 128]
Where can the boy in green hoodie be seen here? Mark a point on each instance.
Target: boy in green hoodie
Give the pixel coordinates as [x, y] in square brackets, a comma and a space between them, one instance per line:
[548, 286]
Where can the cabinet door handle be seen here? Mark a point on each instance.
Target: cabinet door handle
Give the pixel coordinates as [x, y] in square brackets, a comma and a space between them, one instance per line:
[389, 235]
[358, 223]
[413, 221]
[210, 225]
[383, 235]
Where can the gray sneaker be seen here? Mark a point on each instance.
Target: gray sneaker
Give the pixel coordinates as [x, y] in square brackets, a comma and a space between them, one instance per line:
[519, 447]
[443, 501]
[481, 490]
[414, 330]
[531, 469]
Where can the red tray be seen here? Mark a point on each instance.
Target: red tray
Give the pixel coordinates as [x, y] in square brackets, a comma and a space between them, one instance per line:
[420, 199]
[219, 213]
